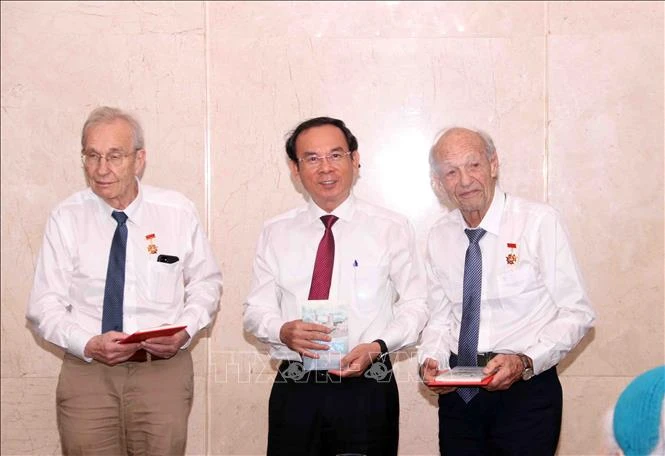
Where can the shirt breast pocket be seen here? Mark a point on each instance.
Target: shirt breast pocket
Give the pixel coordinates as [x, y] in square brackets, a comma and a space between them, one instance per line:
[370, 283]
[162, 281]
[518, 281]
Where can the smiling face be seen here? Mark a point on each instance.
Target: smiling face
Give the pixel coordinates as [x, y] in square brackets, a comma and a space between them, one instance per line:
[328, 183]
[465, 173]
[114, 184]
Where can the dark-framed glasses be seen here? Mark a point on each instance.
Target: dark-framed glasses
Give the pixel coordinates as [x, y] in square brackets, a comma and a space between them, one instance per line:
[313, 161]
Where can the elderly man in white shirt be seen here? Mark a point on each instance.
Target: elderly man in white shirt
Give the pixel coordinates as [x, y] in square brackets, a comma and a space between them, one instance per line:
[376, 303]
[112, 397]
[532, 306]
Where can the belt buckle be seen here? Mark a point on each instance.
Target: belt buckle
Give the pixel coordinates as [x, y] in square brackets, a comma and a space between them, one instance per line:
[484, 358]
[140, 356]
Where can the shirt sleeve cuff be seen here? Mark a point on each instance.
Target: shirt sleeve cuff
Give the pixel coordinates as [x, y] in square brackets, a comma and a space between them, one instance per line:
[384, 348]
[78, 339]
[541, 358]
[393, 340]
[441, 358]
[274, 327]
[189, 341]
[192, 328]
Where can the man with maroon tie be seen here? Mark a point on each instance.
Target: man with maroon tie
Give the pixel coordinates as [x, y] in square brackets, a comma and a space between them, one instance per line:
[337, 276]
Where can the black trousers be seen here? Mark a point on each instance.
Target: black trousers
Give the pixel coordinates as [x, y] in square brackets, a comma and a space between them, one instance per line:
[317, 414]
[525, 419]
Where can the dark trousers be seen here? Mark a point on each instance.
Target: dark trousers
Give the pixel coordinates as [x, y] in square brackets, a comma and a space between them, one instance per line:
[316, 414]
[525, 419]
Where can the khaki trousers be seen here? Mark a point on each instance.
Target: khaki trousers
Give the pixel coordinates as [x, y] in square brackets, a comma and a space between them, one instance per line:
[128, 409]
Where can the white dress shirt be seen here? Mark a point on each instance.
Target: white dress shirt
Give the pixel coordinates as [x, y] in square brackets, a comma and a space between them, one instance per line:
[377, 274]
[67, 298]
[536, 306]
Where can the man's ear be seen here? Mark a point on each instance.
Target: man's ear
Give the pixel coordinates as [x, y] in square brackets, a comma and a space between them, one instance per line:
[494, 166]
[437, 186]
[139, 164]
[356, 161]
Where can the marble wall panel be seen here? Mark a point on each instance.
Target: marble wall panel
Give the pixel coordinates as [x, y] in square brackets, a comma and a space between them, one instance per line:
[28, 416]
[572, 93]
[606, 171]
[239, 388]
[390, 19]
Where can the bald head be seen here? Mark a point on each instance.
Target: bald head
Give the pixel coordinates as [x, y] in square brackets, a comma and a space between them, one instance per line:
[464, 164]
[475, 138]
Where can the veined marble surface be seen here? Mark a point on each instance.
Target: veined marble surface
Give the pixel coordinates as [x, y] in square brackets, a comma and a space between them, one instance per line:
[572, 93]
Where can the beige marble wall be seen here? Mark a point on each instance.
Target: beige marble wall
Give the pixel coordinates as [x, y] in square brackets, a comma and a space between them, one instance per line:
[571, 91]
[59, 61]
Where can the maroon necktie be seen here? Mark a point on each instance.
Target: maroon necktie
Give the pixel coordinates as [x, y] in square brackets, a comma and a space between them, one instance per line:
[325, 257]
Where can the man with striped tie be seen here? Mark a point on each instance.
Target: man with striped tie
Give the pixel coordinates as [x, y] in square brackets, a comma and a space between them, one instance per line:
[505, 294]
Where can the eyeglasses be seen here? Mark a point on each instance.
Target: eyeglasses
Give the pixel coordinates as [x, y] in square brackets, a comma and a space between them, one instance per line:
[113, 159]
[313, 161]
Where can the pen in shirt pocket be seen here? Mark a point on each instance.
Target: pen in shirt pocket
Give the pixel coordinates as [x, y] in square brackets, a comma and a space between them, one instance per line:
[355, 274]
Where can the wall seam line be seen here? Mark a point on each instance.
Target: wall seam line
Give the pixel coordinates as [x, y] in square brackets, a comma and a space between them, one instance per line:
[546, 96]
[208, 210]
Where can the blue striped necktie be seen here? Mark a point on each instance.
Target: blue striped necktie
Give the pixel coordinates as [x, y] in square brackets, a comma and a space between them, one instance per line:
[115, 277]
[467, 352]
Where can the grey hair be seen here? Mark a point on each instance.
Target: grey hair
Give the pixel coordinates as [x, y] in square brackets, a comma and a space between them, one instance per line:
[490, 150]
[105, 114]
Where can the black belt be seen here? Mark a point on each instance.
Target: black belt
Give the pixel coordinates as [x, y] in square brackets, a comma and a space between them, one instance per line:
[483, 358]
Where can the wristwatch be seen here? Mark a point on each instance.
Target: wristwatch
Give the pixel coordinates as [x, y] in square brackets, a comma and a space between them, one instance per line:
[527, 373]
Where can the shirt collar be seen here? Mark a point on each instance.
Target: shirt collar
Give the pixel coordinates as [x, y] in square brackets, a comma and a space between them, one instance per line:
[344, 211]
[491, 222]
[133, 211]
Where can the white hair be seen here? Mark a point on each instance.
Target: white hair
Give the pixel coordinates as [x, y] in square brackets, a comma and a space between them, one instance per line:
[490, 149]
[105, 114]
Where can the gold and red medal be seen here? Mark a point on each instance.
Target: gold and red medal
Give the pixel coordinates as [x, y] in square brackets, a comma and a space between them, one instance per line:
[511, 258]
[152, 247]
